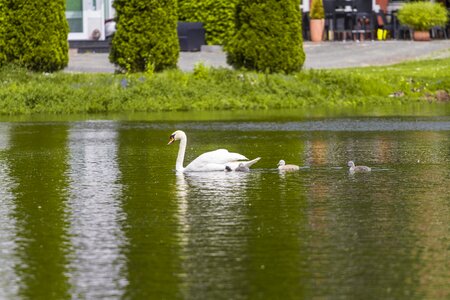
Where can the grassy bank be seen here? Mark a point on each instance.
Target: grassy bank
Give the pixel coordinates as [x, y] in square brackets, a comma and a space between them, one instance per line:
[22, 92]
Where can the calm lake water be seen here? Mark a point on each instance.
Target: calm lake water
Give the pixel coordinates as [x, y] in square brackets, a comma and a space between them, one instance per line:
[93, 209]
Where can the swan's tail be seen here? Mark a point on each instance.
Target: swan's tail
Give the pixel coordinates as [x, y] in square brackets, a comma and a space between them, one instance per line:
[251, 162]
[231, 166]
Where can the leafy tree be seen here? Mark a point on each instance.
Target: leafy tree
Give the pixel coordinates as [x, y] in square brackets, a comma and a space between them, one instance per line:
[217, 17]
[146, 36]
[268, 36]
[34, 34]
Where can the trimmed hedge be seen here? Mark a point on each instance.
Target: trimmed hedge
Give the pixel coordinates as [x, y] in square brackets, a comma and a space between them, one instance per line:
[268, 37]
[34, 34]
[146, 38]
[217, 17]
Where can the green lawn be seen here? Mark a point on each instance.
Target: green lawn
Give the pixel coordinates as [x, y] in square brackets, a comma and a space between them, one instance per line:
[23, 92]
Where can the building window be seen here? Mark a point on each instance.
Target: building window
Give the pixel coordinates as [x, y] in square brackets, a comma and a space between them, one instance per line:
[74, 15]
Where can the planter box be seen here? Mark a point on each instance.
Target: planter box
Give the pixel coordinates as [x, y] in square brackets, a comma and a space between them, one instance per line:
[421, 36]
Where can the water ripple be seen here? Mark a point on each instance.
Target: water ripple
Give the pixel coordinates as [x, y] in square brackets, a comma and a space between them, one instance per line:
[351, 124]
[95, 214]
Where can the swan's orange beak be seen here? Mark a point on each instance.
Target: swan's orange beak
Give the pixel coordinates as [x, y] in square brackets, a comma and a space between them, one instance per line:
[171, 140]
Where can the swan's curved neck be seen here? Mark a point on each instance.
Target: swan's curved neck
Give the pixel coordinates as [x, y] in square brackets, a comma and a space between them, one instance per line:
[181, 150]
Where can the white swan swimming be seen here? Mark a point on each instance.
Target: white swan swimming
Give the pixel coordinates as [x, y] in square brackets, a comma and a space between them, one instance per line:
[217, 160]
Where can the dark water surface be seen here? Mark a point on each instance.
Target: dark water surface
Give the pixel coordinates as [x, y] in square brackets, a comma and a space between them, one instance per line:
[94, 210]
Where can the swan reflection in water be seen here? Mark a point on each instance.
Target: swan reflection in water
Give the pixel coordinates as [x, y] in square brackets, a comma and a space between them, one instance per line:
[211, 198]
[204, 185]
[212, 214]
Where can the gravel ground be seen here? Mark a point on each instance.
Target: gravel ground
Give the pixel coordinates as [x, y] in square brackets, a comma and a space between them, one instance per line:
[324, 55]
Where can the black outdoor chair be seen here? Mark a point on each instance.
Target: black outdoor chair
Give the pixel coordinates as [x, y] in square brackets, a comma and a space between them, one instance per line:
[401, 31]
[364, 23]
[404, 32]
[447, 26]
[191, 36]
[343, 19]
[342, 24]
[439, 31]
[329, 6]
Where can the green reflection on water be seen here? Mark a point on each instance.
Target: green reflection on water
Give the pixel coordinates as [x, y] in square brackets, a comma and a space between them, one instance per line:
[412, 109]
[38, 163]
[153, 257]
[316, 233]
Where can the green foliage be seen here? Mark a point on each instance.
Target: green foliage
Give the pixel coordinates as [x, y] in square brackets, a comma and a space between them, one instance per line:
[34, 34]
[24, 92]
[268, 37]
[3, 28]
[317, 11]
[422, 16]
[146, 35]
[217, 17]
[201, 71]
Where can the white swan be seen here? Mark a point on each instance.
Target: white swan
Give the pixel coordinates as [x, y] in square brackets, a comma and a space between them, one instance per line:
[282, 166]
[217, 160]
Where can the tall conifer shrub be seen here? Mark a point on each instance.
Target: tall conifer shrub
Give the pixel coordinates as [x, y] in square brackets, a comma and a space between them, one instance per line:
[3, 28]
[268, 36]
[34, 34]
[146, 36]
[217, 17]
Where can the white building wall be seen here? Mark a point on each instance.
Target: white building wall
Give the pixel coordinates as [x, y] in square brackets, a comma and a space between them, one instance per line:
[93, 14]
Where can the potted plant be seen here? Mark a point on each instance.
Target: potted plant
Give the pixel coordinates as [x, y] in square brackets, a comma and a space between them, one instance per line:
[317, 20]
[421, 17]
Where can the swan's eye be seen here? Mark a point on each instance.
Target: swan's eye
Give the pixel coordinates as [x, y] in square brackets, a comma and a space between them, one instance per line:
[171, 139]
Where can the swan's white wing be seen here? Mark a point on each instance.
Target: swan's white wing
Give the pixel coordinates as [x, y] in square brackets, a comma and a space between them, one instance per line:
[234, 164]
[220, 156]
[214, 160]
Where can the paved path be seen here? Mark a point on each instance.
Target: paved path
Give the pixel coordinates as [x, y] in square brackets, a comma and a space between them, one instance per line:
[318, 56]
